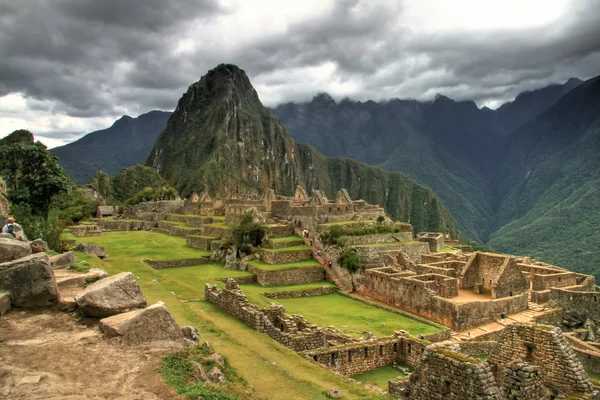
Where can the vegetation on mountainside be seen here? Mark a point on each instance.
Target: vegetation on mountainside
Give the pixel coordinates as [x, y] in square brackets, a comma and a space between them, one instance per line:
[33, 179]
[130, 181]
[153, 194]
[127, 142]
[102, 184]
[74, 206]
[221, 139]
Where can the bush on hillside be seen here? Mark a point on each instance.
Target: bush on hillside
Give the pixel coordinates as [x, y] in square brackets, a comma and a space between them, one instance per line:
[153, 194]
[351, 261]
[248, 233]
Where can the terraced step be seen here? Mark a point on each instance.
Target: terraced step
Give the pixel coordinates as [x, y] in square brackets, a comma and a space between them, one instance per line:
[200, 241]
[279, 230]
[218, 229]
[372, 254]
[286, 254]
[281, 242]
[288, 273]
[68, 278]
[194, 220]
[179, 228]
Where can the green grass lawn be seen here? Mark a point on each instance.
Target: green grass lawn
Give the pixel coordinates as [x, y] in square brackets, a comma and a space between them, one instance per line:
[412, 242]
[203, 237]
[143, 244]
[222, 225]
[273, 371]
[349, 314]
[342, 223]
[286, 239]
[448, 250]
[181, 225]
[379, 376]
[274, 267]
[254, 291]
[284, 249]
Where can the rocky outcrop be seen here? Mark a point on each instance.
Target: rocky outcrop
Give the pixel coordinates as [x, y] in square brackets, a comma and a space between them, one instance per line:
[153, 326]
[63, 260]
[91, 249]
[11, 249]
[110, 296]
[30, 280]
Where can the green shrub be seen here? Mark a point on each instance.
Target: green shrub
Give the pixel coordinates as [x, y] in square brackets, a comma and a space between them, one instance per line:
[380, 219]
[351, 261]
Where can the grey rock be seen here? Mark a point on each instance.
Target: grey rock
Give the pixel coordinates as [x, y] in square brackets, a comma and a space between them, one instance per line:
[109, 296]
[335, 393]
[91, 249]
[153, 326]
[11, 249]
[30, 281]
[38, 245]
[191, 333]
[63, 260]
[4, 302]
[216, 376]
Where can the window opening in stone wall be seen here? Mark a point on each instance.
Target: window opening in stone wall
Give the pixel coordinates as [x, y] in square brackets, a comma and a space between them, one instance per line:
[380, 350]
[350, 356]
[490, 281]
[333, 358]
[559, 279]
[315, 358]
[395, 347]
[529, 354]
[409, 348]
[447, 388]
[366, 352]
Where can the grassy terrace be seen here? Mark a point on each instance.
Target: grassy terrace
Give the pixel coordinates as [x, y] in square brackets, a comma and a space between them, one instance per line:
[286, 249]
[342, 223]
[388, 244]
[379, 376]
[204, 237]
[274, 371]
[275, 267]
[287, 239]
[448, 250]
[222, 225]
[181, 225]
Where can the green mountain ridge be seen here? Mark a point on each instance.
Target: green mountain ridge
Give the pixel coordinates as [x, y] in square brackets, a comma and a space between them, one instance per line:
[221, 139]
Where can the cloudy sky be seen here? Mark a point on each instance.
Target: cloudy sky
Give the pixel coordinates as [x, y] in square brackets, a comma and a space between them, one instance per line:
[68, 67]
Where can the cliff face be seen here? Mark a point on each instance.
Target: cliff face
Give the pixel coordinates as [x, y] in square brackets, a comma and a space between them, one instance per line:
[222, 139]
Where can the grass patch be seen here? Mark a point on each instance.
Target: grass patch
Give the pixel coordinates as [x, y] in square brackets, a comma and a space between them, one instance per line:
[274, 267]
[285, 249]
[286, 239]
[410, 243]
[349, 314]
[379, 376]
[81, 266]
[179, 372]
[448, 250]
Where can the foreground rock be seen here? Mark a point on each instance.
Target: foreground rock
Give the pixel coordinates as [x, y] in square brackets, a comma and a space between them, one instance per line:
[63, 260]
[151, 327]
[4, 302]
[109, 296]
[38, 246]
[30, 281]
[11, 249]
[70, 278]
[91, 249]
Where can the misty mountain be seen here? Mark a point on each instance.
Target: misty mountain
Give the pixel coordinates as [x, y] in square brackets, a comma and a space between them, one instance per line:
[127, 142]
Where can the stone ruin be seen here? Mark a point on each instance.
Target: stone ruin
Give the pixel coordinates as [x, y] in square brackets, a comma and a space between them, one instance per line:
[528, 362]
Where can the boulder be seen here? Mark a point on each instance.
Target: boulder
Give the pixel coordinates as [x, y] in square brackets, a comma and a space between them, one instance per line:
[63, 260]
[335, 393]
[153, 326]
[70, 278]
[91, 249]
[216, 358]
[11, 249]
[4, 302]
[191, 333]
[216, 376]
[30, 280]
[109, 296]
[7, 236]
[38, 245]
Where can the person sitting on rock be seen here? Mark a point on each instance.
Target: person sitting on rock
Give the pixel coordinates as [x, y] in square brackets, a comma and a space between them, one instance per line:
[11, 228]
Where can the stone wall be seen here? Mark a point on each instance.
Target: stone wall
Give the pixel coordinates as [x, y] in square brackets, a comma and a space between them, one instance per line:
[355, 358]
[275, 231]
[240, 280]
[476, 349]
[583, 304]
[292, 294]
[544, 346]
[543, 282]
[187, 262]
[477, 313]
[443, 374]
[586, 354]
[125, 225]
[199, 241]
[217, 231]
[288, 276]
[378, 238]
[178, 230]
[269, 244]
[374, 254]
[292, 331]
[283, 257]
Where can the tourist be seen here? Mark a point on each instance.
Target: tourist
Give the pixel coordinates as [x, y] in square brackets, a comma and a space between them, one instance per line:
[325, 263]
[421, 336]
[310, 242]
[502, 316]
[11, 228]
[330, 263]
[319, 252]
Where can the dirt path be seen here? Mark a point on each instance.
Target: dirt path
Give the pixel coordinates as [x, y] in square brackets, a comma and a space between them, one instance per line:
[72, 361]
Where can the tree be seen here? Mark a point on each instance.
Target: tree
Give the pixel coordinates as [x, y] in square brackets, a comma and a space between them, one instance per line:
[351, 261]
[32, 174]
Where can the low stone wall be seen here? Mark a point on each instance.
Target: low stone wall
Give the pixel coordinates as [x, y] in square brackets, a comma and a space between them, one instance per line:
[356, 358]
[240, 280]
[280, 245]
[292, 331]
[160, 207]
[378, 238]
[590, 358]
[292, 294]
[583, 304]
[476, 349]
[188, 262]
[284, 257]
[125, 225]
[374, 254]
[199, 242]
[289, 276]
[178, 230]
[198, 221]
[551, 317]
[216, 231]
[476, 313]
[541, 296]
[280, 231]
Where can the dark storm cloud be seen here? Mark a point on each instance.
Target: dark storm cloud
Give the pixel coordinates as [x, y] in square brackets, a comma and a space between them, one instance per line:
[93, 58]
